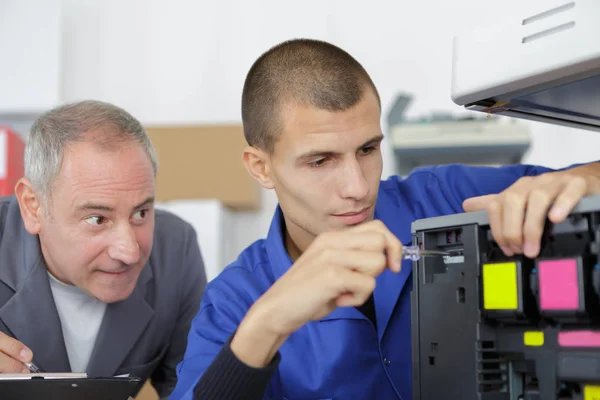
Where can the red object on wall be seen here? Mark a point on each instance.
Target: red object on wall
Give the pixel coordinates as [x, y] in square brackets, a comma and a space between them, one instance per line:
[12, 148]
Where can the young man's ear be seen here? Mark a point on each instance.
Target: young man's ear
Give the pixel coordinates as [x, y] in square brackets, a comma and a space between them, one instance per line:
[257, 163]
[30, 205]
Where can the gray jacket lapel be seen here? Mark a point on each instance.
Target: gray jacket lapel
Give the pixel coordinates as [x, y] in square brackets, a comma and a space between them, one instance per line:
[30, 314]
[123, 324]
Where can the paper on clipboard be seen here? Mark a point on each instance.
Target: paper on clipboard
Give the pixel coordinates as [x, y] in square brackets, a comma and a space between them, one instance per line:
[44, 375]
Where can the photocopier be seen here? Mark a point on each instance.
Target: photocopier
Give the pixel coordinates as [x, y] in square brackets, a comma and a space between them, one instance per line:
[490, 327]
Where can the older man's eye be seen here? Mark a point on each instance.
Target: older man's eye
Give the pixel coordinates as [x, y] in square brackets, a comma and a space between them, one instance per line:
[95, 220]
[140, 215]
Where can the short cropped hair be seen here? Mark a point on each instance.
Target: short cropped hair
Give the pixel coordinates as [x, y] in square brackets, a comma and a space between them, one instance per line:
[298, 72]
[63, 125]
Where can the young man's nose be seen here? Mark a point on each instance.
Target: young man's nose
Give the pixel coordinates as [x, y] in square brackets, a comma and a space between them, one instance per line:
[354, 184]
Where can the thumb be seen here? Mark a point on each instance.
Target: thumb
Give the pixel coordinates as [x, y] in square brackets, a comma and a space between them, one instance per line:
[477, 203]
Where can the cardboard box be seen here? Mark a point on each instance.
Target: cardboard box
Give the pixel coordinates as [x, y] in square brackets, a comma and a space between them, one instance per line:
[147, 392]
[204, 162]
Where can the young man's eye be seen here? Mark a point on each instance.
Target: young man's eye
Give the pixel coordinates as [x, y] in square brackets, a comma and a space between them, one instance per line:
[317, 163]
[367, 150]
[95, 220]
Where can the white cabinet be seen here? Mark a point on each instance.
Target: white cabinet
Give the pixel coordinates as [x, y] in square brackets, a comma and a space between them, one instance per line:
[214, 226]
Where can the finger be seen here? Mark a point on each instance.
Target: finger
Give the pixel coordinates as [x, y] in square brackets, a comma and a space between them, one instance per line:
[513, 204]
[372, 236]
[345, 300]
[9, 365]
[366, 262]
[478, 203]
[361, 240]
[535, 219]
[566, 200]
[509, 207]
[494, 212]
[491, 204]
[392, 245]
[14, 349]
[513, 214]
[354, 288]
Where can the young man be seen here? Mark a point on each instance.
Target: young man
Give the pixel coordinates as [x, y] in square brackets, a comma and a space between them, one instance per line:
[93, 278]
[321, 307]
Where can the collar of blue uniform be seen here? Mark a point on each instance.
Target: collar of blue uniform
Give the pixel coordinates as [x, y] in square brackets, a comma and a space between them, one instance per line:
[278, 256]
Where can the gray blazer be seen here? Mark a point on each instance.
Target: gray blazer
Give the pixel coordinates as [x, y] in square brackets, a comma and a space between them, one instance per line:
[144, 335]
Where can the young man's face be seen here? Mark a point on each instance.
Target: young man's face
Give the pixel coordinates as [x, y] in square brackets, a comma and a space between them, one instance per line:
[97, 232]
[326, 167]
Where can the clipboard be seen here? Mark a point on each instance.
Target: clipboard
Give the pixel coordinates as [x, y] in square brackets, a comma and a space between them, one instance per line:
[68, 386]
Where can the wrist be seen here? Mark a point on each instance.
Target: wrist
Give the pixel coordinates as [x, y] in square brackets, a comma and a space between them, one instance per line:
[590, 173]
[593, 184]
[257, 338]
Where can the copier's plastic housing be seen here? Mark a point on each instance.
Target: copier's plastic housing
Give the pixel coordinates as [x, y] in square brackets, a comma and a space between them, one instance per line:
[490, 327]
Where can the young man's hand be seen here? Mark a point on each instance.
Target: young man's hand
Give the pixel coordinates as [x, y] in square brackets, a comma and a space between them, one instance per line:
[518, 214]
[338, 269]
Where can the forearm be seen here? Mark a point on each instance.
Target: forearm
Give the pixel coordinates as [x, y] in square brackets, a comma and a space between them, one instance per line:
[229, 378]
[257, 340]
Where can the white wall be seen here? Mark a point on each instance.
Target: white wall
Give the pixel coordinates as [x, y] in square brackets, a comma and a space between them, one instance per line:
[30, 55]
[185, 60]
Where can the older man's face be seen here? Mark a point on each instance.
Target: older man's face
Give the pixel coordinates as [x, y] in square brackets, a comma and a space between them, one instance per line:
[98, 230]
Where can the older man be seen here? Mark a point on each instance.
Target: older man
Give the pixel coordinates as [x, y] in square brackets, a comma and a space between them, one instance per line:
[92, 278]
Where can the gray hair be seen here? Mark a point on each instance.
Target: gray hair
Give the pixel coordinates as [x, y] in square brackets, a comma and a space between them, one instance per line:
[56, 129]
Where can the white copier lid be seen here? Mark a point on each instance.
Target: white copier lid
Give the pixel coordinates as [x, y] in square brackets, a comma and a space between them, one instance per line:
[542, 64]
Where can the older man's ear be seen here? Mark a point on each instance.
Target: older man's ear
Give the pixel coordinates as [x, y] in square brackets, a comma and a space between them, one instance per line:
[29, 204]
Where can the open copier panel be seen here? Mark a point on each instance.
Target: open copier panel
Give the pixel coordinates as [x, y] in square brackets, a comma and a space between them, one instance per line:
[490, 327]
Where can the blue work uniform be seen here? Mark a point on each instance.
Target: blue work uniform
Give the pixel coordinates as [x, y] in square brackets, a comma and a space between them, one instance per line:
[342, 356]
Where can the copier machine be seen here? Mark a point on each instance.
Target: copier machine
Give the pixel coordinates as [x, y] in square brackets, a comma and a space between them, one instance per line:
[490, 327]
